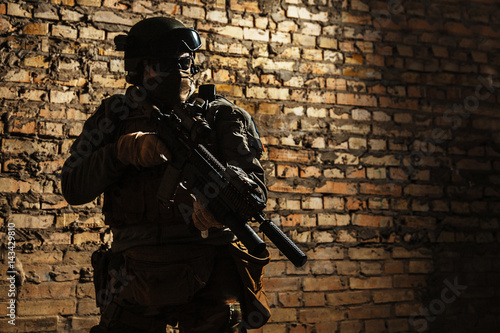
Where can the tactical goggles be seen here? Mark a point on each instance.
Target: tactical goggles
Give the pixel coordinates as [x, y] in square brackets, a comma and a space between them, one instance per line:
[164, 47]
[183, 63]
[175, 42]
[187, 36]
[187, 62]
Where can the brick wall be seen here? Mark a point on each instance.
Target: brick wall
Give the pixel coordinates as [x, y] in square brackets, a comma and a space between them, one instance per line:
[381, 124]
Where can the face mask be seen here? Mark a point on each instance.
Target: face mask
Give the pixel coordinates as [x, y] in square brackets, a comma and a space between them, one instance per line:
[169, 87]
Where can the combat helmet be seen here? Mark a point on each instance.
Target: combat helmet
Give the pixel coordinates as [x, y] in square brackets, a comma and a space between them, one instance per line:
[157, 38]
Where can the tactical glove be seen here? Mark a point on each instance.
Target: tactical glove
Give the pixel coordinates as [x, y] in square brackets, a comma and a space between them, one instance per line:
[142, 149]
[203, 218]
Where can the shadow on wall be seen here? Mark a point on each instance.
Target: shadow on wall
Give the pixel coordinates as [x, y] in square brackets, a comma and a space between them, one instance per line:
[447, 129]
[463, 290]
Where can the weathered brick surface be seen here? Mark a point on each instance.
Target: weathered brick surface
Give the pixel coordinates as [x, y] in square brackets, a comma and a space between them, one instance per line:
[380, 120]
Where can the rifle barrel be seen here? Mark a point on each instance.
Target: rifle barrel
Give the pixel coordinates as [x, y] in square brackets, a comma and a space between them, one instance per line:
[283, 243]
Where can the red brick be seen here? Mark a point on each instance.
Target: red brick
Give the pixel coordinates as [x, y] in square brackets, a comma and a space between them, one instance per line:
[370, 268]
[356, 18]
[320, 315]
[375, 326]
[420, 222]
[397, 173]
[290, 299]
[407, 309]
[398, 325]
[84, 323]
[485, 30]
[383, 282]
[346, 236]
[363, 73]
[266, 108]
[36, 29]
[380, 189]
[423, 190]
[421, 24]
[393, 296]
[282, 284]
[396, 103]
[24, 126]
[358, 100]
[326, 327]
[351, 326]
[32, 324]
[377, 221]
[288, 155]
[409, 281]
[293, 220]
[455, 28]
[421, 266]
[330, 283]
[310, 171]
[348, 298]
[46, 307]
[368, 253]
[394, 267]
[326, 253]
[314, 299]
[86, 307]
[55, 290]
[289, 186]
[245, 6]
[369, 312]
[355, 172]
[402, 253]
[337, 188]
[283, 314]
[85, 290]
[353, 203]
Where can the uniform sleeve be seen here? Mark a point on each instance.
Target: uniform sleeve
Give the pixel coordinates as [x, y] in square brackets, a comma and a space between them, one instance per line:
[93, 165]
[232, 137]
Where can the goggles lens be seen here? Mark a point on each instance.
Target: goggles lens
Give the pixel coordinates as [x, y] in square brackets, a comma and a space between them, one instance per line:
[190, 38]
[175, 42]
[184, 63]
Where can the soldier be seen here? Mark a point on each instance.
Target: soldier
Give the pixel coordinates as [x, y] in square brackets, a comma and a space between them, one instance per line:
[164, 268]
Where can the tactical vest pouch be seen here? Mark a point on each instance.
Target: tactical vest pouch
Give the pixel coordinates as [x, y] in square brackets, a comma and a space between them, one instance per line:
[254, 302]
[163, 280]
[100, 261]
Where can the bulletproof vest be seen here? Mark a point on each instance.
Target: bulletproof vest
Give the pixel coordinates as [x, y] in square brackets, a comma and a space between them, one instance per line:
[133, 200]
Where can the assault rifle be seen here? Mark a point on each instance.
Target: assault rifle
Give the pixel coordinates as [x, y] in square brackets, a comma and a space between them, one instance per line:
[227, 192]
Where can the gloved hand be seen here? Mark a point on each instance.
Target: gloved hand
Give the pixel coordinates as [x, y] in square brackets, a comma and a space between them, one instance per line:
[142, 149]
[203, 219]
